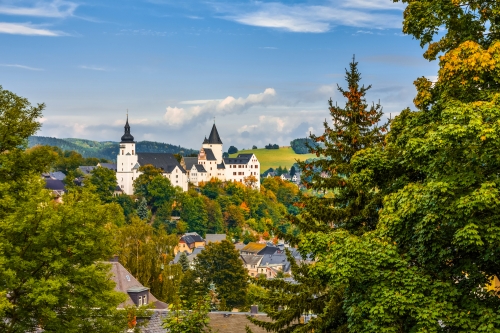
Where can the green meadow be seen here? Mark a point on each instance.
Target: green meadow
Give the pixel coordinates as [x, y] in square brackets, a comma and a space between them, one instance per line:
[273, 158]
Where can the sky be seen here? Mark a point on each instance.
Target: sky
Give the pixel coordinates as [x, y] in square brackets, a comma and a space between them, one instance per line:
[262, 70]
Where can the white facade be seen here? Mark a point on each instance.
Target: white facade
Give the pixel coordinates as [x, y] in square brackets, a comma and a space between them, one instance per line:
[209, 164]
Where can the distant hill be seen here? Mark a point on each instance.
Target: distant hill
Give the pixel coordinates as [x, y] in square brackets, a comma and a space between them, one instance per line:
[106, 149]
[273, 158]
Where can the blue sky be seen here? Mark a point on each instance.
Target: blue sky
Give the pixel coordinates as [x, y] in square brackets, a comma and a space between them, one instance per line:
[263, 69]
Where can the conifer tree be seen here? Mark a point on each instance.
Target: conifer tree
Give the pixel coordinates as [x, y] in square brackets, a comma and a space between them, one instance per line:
[142, 210]
[353, 206]
[183, 261]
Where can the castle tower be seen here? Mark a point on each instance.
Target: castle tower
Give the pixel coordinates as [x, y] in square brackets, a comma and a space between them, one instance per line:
[125, 162]
[214, 142]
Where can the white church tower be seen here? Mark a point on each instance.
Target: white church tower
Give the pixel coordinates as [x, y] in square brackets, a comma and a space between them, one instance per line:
[214, 143]
[125, 162]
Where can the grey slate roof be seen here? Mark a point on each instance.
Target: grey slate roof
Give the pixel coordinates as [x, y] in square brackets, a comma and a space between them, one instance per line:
[190, 161]
[276, 259]
[54, 175]
[221, 166]
[219, 322]
[214, 137]
[164, 161]
[286, 176]
[214, 238]
[54, 184]
[86, 169]
[240, 159]
[210, 154]
[268, 250]
[250, 259]
[200, 168]
[192, 237]
[110, 166]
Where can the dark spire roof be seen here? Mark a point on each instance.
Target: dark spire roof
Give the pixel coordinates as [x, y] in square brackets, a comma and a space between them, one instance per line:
[214, 137]
[205, 141]
[127, 137]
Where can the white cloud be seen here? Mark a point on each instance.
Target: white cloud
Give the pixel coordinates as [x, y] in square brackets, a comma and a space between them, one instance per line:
[316, 18]
[176, 116]
[56, 8]
[22, 67]
[26, 29]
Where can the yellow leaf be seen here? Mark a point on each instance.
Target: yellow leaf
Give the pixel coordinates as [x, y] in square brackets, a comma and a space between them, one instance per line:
[483, 138]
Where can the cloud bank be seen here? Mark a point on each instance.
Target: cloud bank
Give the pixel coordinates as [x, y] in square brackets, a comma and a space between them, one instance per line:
[26, 29]
[177, 116]
[378, 14]
[56, 8]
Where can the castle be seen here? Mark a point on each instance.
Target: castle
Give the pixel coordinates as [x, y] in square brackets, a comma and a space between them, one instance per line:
[209, 164]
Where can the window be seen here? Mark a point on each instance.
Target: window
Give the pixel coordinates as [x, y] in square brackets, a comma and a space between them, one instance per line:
[140, 300]
[234, 173]
[176, 176]
[122, 151]
[145, 300]
[132, 152]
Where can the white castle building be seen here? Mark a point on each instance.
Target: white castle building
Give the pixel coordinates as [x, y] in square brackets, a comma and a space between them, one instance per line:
[209, 164]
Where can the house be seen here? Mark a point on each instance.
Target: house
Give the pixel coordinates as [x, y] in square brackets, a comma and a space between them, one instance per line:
[189, 242]
[221, 322]
[86, 170]
[54, 175]
[251, 263]
[126, 283]
[286, 176]
[190, 256]
[214, 238]
[253, 248]
[271, 264]
[259, 249]
[110, 166]
[57, 187]
[271, 174]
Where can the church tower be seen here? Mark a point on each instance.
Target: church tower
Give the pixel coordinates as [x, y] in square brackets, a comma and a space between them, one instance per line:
[214, 142]
[125, 162]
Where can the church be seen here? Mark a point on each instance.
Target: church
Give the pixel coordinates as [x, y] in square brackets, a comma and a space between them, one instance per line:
[209, 164]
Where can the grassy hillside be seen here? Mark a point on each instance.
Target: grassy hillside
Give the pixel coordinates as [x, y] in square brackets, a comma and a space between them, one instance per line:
[273, 158]
[106, 149]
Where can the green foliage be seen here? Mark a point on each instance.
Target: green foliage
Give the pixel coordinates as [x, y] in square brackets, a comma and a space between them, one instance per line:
[106, 150]
[180, 320]
[183, 261]
[194, 213]
[127, 205]
[220, 263]
[232, 150]
[302, 146]
[51, 270]
[146, 253]
[104, 181]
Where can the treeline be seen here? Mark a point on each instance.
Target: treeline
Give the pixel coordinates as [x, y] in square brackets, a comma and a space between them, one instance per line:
[272, 146]
[106, 149]
[300, 146]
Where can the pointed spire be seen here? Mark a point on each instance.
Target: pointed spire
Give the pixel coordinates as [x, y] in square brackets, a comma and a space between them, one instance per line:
[205, 141]
[127, 137]
[214, 137]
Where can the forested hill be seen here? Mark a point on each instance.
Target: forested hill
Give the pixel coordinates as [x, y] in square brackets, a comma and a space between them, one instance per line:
[106, 149]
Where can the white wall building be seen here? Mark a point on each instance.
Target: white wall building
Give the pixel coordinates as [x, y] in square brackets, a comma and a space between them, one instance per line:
[128, 162]
[209, 164]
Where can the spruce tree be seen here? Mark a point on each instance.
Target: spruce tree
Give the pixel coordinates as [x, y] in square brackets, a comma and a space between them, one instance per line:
[354, 127]
[183, 261]
[142, 210]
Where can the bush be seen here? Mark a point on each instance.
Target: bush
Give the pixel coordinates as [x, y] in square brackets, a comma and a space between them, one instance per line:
[272, 146]
[232, 150]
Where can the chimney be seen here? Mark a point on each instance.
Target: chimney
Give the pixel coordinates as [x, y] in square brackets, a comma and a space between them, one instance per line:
[254, 309]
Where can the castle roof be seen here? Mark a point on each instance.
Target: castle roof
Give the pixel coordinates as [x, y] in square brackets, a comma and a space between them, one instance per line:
[214, 137]
[209, 154]
[164, 161]
[190, 161]
[127, 137]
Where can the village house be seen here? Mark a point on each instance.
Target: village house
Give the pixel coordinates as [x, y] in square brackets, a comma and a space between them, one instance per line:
[189, 242]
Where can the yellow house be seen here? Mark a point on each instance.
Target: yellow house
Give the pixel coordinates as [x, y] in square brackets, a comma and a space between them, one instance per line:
[189, 242]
